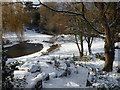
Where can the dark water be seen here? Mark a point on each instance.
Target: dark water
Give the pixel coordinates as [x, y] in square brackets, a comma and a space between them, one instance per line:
[23, 49]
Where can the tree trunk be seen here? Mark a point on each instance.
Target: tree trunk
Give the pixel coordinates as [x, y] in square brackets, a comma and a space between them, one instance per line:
[89, 49]
[109, 40]
[77, 44]
[81, 44]
[109, 47]
[89, 41]
[109, 57]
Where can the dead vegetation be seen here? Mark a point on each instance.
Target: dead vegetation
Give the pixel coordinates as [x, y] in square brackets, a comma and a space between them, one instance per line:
[51, 49]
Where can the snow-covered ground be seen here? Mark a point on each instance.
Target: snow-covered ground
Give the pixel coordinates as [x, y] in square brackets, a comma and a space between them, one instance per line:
[37, 61]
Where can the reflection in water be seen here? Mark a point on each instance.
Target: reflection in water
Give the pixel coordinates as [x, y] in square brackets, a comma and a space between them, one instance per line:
[23, 49]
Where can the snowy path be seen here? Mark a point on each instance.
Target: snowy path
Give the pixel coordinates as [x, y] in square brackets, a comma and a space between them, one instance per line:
[75, 80]
[72, 81]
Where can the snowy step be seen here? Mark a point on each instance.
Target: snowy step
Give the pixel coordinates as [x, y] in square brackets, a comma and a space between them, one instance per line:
[20, 74]
[35, 68]
[72, 81]
[37, 81]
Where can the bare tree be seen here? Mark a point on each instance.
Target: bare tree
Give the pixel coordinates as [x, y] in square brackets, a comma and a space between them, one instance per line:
[107, 24]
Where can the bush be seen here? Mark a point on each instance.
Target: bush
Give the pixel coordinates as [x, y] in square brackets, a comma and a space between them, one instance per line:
[100, 56]
[86, 58]
[75, 58]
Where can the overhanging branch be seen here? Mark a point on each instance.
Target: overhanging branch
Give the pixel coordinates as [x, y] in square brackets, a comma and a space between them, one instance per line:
[114, 22]
[80, 14]
[61, 11]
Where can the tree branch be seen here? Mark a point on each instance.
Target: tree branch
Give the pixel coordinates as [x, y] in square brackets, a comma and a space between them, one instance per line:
[117, 47]
[92, 26]
[81, 14]
[61, 11]
[114, 22]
